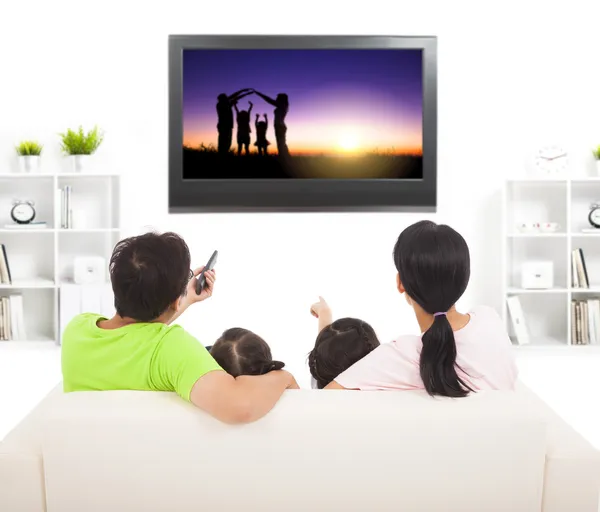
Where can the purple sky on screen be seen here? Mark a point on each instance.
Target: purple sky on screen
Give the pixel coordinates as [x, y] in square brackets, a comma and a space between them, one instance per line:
[339, 99]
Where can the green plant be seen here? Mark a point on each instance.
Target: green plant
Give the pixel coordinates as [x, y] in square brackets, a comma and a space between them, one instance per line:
[80, 143]
[596, 152]
[29, 148]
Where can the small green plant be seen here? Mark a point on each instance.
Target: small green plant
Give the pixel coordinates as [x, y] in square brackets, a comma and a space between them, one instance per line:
[29, 148]
[596, 152]
[80, 143]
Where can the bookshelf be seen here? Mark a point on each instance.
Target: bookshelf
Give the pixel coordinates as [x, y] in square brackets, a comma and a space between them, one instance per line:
[41, 259]
[566, 201]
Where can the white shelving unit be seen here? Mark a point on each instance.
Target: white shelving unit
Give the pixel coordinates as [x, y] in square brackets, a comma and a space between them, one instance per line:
[553, 199]
[42, 259]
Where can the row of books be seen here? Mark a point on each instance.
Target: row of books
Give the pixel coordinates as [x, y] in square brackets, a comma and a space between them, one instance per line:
[579, 273]
[12, 324]
[585, 321]
[5, 277]
[66, 208]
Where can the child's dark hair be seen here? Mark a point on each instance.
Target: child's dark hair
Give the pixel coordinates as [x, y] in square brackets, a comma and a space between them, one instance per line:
[338, 347]
[241, 352]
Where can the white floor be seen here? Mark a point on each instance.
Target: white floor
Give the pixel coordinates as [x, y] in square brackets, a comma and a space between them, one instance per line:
[568, 379]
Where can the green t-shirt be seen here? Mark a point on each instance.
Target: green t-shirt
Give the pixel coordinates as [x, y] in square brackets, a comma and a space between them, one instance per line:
[142, 356]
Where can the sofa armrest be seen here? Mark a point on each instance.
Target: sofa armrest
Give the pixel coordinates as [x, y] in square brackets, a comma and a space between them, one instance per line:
[572, 471]
[21, 480]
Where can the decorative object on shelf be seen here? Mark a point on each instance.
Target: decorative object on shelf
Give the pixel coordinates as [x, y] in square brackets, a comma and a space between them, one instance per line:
[596, 153]
[528, 227]
[80, 146]
[579, 273]
[518, 319]
[551, 160]
[23, 212]
[538, 227]
[594, 215]
[29, 153]
[89, 270]
[549, 227]
[537, 275]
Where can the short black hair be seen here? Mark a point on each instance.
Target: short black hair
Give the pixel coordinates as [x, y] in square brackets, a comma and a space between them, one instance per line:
[241, 352]
[338, 347]
[148, 273]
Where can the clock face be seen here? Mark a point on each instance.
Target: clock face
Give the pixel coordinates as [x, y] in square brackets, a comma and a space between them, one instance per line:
[551, 159]
[23, 213]
[595, 217]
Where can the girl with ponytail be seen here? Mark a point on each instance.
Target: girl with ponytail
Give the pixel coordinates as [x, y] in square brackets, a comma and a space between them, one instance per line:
[456, 353]
[241, 352]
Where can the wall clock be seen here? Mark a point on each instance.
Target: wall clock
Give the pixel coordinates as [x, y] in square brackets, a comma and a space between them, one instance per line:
[551, 160]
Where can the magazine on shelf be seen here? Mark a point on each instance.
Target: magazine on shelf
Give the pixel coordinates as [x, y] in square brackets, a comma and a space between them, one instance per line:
[585, 322]
[518, 319]
[12, 324]
[579, 272]
[5, 276]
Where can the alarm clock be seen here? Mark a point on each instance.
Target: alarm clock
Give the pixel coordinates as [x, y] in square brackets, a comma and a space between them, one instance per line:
[551, 159]
[594, 216]
[23, 212]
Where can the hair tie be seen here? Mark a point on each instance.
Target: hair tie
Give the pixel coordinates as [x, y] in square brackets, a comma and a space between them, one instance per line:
[441, 313]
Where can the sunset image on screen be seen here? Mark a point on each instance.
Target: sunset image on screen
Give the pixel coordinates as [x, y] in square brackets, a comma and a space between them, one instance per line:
[256, 114]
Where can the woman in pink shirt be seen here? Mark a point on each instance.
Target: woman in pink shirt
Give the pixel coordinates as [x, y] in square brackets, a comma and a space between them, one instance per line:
[456, 353]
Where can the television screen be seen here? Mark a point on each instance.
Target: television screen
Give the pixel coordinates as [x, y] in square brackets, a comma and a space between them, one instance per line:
[302, 123]
[281, 114]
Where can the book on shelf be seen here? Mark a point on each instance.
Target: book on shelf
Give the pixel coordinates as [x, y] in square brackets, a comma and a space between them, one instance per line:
[66, 208]
[518, 319]
[12, 324]
[5, 277]
[585, 322]
[579, 273]
[31, 225]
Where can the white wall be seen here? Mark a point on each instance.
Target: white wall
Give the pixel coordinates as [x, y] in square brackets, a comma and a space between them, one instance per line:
[510, 77]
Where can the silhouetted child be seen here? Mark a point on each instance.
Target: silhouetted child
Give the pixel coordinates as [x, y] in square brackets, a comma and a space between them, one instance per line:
[339, 345]
[261, 134]
[241, 352]
[243, 128]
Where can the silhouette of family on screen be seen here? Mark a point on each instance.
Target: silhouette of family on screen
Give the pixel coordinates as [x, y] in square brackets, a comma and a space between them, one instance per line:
[225, 106]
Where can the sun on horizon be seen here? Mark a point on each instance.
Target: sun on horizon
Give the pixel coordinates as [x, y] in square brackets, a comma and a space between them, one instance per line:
[349, 142]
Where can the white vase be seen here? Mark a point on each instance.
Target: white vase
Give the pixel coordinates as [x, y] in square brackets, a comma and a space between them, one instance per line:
[597, 167]
[29, 163]
[80, 163]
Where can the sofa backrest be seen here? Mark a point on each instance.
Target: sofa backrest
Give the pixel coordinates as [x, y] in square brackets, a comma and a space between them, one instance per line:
[316, 451]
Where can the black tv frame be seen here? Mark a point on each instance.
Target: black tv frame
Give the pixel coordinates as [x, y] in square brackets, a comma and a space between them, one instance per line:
[233, 195]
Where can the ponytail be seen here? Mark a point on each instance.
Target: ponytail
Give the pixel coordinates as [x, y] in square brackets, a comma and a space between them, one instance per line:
[265, 367]
[438, 361]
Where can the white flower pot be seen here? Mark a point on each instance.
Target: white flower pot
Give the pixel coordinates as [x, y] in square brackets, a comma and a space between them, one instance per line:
[29, 163]
[80, 163]
[598, 167]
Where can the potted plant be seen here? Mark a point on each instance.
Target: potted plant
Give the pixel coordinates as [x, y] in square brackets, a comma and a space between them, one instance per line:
[29, 152]
[596, 153]
[80, 146]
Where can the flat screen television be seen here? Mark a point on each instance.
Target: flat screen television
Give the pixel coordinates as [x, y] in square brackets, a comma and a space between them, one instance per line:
[302, 123]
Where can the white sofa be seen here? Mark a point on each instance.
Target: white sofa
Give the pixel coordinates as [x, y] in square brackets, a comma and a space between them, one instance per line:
[316, 451]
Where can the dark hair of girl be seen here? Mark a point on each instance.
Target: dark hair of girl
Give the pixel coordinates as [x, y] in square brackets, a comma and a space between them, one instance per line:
[338, 347]
[241, 352]
[434, 267]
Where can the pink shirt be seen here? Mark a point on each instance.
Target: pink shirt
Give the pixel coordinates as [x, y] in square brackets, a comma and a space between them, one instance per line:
[484, 355]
